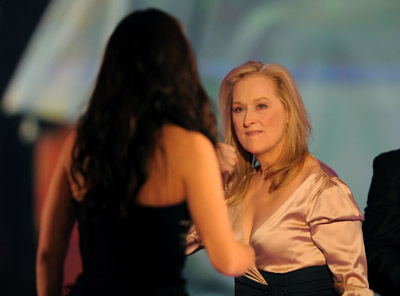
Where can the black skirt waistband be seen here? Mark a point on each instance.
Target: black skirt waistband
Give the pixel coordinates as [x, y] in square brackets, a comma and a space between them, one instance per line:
[314, 280]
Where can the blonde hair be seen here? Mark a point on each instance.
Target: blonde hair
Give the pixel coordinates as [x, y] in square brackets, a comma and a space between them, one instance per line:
[295, 150]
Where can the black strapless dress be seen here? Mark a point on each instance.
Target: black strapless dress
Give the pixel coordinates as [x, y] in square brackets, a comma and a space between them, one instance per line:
[142, 255]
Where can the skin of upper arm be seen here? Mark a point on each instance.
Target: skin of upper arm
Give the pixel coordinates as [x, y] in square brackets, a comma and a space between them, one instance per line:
[203, 184]
[58, 216]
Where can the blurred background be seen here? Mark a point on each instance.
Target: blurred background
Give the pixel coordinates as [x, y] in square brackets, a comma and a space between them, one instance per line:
[344, 55]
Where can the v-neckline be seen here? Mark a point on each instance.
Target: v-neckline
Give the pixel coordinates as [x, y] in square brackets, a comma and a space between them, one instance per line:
[279, 209]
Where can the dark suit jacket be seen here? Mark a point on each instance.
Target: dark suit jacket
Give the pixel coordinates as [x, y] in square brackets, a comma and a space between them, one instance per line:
[381, 227]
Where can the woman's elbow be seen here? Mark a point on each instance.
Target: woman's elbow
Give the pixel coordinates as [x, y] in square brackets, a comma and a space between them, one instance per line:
[234, 263]
[48, 258]
[230, 268]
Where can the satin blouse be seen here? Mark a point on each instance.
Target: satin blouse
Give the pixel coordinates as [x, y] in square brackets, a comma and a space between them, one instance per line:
[319, 224]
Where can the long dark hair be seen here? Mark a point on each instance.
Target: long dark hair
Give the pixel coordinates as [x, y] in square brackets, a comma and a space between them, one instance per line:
[148, 77]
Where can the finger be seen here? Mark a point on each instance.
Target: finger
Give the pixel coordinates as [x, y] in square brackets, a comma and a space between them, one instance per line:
[229, 155]
[232, 162]
[225, 146]
[227, 152]
[227, 167]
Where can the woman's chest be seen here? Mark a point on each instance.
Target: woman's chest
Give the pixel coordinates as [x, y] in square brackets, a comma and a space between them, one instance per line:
[257, 208]
[260, 207]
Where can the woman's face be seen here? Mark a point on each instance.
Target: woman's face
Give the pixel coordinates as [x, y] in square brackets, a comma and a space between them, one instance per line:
[259, 117]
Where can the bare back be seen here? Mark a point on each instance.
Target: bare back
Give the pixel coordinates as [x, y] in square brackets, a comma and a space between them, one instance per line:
[164, 185]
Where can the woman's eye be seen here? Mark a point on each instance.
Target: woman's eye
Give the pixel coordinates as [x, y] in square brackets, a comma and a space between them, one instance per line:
[261, 106]
[238, 109]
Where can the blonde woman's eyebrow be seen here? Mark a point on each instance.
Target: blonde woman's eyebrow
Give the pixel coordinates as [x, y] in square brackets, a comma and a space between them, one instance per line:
[254, 100]
[261, 99]
[237, 103]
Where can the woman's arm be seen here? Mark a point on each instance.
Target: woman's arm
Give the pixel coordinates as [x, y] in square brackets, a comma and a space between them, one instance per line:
[202, 179]
[55, 228]
[227, 160]
[335, 226]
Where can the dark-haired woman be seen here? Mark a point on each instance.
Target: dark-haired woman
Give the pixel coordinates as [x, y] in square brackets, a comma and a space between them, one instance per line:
[140, 165]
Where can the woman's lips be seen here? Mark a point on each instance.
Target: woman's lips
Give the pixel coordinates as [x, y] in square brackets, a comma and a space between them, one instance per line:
[253, 133]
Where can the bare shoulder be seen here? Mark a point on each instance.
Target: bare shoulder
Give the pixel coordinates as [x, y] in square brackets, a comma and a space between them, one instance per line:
[184, 141]
[66, 152]
[70, 139]
[190, 151]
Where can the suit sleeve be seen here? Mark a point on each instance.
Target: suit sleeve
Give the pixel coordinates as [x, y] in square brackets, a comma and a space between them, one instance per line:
[382, 227]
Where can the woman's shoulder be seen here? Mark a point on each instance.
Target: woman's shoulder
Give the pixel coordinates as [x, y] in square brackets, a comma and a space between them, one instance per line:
[189, 150]
[331, 197]
[313, 168]
[332, 200]
[325, 177]
[330, 172]
[68, 146]
[316, 165]
[76, 186]
[71, 138]
[184, 140]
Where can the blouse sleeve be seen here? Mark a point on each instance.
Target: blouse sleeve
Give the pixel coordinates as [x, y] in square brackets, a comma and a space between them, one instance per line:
[335, 225]
[193, 241]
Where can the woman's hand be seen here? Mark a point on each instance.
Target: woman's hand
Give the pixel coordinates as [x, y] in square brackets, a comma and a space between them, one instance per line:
[227, 158]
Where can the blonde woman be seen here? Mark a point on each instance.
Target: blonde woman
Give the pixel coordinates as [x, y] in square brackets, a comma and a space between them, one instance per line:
[298, 215]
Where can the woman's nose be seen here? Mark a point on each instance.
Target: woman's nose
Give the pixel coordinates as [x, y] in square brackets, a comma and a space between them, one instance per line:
[248, 119]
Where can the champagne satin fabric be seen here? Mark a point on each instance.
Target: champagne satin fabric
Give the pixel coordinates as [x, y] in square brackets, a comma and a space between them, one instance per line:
[320, 223]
